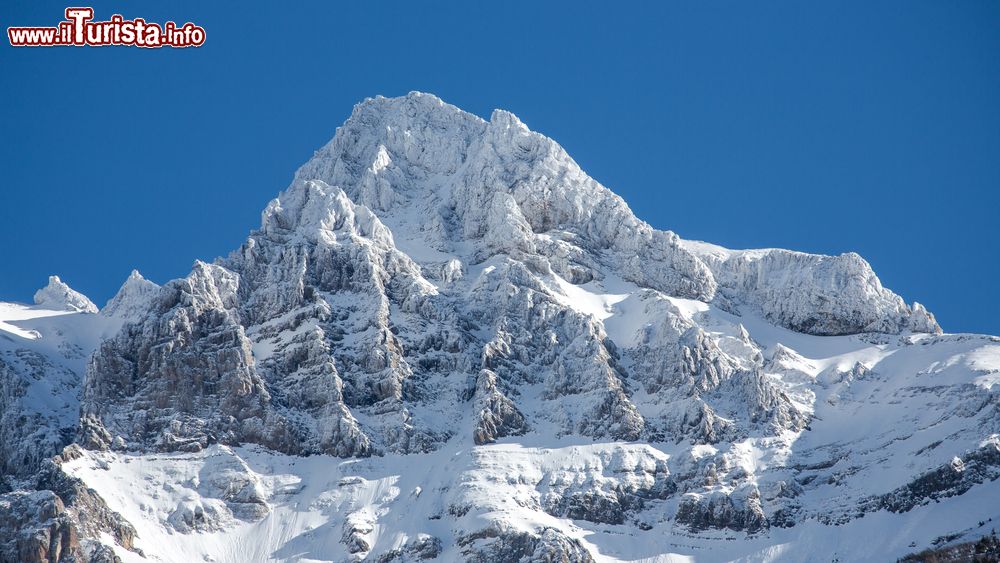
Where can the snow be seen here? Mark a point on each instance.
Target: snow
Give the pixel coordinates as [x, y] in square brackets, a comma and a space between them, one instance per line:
[312, 500]
[14, 312]
[382, 160]
[987, 361]
[707, 249]
[582, 299]
[58, 295]
[132, 300]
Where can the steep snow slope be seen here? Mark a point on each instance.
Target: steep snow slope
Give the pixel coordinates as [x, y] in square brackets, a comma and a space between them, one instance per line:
[447, 341]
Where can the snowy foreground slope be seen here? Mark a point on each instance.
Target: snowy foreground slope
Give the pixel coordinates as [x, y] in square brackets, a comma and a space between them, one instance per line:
[447, 342]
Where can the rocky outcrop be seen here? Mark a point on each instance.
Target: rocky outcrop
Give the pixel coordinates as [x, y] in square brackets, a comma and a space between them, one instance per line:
[708, 388]
[34, 527]
[88, 511]
[20, 453]
[952, 479]
[38, 408]
[740, 511]
[825, 295]
[497, 415]
[228, 478]
[984, 550]
[498, 543]
[423, 547]
[185, 376]
[61, 297]
[59, 520]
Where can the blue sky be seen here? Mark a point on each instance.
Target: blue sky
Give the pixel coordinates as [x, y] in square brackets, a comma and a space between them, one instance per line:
[853, 126]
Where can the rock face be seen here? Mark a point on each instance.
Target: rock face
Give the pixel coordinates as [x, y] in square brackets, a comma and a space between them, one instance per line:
[951, 479]
[509, 365]
[60, 521]
[743, 513]
[59, 296]
[30, 433]
[192, 369]
[49, 536]
[87, 511]
[499, 543]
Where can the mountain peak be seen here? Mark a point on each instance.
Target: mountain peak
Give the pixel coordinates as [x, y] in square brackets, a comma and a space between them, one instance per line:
[59, 296]
[449, 185]
[132, 299]
[413, 105]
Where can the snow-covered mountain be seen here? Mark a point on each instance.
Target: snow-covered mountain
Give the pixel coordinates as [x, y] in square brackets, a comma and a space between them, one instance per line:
[447, 342]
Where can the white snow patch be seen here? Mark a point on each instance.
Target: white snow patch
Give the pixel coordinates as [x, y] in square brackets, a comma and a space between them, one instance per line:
[15, 312]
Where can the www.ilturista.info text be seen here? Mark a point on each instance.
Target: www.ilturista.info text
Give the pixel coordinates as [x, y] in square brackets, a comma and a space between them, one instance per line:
[80, 30]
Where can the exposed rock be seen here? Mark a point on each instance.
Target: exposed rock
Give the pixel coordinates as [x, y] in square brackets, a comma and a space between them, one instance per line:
[984, 550]
[421, 548]
[34, 527]
[185, 376]
[740, 511]
[356, 535]
[88, 511]
[227, 477]
[38, 409]
[59, 520]
[498, 543]
[498, 417]
[955, 478]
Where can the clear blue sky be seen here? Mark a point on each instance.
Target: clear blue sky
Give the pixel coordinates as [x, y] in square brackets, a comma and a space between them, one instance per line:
[864, 126]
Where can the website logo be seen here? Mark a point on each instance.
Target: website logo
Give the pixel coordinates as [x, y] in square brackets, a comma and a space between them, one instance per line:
[79, 30]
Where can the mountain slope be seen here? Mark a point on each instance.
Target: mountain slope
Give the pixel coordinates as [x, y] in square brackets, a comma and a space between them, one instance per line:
[487, 356]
